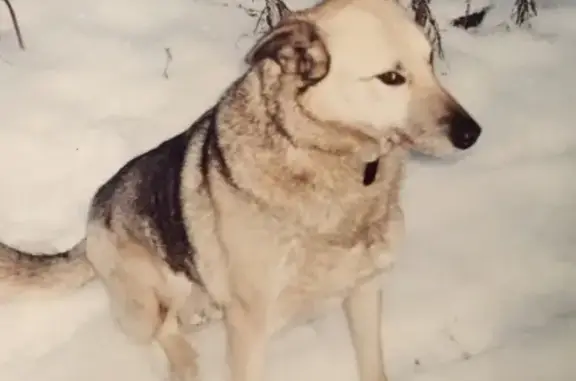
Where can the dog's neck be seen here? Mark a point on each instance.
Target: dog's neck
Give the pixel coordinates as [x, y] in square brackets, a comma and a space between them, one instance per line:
[288, 140]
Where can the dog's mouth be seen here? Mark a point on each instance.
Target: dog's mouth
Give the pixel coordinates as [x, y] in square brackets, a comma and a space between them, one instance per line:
[397, 138]
[404, 140]
[394, 139]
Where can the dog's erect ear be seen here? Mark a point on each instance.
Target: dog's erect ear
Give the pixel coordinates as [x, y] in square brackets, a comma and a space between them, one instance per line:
[297, 47]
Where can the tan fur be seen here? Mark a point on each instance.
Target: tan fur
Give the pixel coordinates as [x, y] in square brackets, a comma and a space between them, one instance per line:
[294, 226]
[23, 274]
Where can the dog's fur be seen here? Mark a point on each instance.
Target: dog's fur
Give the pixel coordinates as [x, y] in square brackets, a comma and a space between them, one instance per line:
[258, 212]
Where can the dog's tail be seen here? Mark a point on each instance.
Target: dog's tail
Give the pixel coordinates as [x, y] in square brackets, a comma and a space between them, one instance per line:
[22, 273]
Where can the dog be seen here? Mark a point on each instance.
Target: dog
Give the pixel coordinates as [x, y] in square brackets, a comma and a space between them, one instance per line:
[281, 197]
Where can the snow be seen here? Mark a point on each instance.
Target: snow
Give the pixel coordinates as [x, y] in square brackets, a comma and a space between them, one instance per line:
[485, 285]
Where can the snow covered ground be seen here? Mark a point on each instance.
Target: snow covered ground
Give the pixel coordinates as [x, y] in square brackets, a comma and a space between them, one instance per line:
[485, 288]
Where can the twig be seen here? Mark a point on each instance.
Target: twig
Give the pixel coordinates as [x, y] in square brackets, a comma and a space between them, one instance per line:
[464, 355]
[468, 6]
[15, 24]
[423, 17]
[523, 11]
[274, 11]
[168, 61]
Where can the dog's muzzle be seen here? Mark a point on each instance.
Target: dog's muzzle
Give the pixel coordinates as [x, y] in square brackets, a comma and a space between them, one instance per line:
[463, 131]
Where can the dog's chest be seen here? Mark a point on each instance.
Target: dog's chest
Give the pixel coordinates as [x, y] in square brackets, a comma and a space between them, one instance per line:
[314, 281]
[339, 262]
[350, 246]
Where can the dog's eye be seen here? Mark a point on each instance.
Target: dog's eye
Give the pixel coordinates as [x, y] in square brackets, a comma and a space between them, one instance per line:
[392, 78]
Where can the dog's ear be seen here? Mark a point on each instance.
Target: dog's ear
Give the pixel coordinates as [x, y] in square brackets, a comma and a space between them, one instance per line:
[297, 47]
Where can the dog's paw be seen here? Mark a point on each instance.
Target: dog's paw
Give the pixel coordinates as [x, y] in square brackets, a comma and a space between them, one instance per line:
[185, 373]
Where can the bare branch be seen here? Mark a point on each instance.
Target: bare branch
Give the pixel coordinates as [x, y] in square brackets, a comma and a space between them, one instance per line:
[15, 24]
[274, 11]
[168, 61]
[423, 17]
[523, 11]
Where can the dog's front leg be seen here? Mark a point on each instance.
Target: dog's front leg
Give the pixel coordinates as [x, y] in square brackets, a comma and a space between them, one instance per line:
[247, 333]
[363, 308]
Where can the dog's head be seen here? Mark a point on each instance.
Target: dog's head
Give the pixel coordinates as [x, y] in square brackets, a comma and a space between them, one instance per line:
[365, 65]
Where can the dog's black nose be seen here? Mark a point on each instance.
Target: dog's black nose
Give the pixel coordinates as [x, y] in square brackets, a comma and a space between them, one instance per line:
[463, 130]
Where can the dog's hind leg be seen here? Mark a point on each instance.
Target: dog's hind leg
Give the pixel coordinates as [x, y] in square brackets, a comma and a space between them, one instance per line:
[135, 308]
[129, 279]
[181, 356]
[363, 308]
[140, 298]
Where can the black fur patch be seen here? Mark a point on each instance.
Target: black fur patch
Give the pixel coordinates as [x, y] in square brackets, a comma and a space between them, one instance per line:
[212, 152]
[158, 200]
[152, 183]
